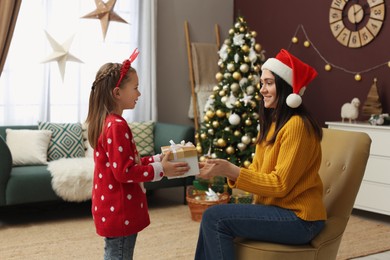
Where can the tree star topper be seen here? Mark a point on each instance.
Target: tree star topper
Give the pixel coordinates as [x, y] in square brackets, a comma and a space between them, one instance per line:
[60, 53]
[105, 13]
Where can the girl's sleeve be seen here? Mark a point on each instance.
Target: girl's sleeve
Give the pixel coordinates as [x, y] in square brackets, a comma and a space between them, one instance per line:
[124, 159]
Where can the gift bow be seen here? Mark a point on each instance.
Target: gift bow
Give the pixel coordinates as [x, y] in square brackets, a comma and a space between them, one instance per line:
[175, 147]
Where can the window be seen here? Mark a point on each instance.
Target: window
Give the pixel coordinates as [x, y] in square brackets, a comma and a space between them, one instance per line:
[32, 90]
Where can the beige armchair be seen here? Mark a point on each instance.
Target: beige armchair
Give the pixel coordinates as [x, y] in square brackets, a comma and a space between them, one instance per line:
[344, 159]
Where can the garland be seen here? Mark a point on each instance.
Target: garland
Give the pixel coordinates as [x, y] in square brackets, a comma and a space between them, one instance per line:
[329, 65]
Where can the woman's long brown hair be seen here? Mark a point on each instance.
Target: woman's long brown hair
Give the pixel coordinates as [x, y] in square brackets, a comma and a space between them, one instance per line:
[282, 113]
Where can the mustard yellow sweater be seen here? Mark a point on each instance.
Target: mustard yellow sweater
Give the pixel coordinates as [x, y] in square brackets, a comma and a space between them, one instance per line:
[285, 173]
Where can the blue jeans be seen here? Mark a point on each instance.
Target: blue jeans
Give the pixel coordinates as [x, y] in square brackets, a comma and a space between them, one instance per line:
[222, 223]
[119, 248]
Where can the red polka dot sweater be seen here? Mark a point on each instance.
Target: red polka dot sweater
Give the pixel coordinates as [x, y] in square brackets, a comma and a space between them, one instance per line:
[119, 205]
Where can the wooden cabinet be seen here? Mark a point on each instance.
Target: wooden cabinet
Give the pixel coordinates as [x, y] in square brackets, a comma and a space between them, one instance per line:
[374, 193]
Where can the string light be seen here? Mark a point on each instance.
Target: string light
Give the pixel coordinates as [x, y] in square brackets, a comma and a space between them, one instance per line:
[329, 65]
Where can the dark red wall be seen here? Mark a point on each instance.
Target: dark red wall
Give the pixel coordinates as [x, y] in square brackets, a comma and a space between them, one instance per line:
[276, 22]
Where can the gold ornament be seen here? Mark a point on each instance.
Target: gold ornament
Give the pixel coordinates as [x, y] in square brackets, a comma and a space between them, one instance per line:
[221, 142]
[202, 159]
[215, 124]
[199, 148]
[206, 118]
[237, 103]
[219, 76]
[210, 131]
[328, 67]
[203, 136]
[231, 31]
[215, 88]
[247, 163]
[241, 146]
[246, 59]
[237, 75]
[237, 133]
[212, 96]
[358, 77]
[257, 68]
[248, 122]
[242, 29]
[388, 64]
[258, 47]
[294, 39]
[254, 139]
[245, 48]
[230, 150]
[210, 113]
[246, 139]
[306, 44]
[234, 87]
[220, 113]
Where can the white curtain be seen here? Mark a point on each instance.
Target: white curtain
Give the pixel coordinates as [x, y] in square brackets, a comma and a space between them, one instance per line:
[32, 90]
[146, 108]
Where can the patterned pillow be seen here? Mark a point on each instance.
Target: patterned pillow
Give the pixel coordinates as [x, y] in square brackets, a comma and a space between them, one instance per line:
[66, 140]
[143, 137]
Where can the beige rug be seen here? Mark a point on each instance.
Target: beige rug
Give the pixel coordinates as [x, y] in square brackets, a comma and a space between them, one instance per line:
[67, 232]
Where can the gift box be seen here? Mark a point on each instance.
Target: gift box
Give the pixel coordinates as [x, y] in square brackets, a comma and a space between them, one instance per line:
[241, 197]
[183, 152]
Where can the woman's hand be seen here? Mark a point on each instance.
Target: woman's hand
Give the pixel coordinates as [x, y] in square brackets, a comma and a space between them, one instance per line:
[173, 169]
[218, 167]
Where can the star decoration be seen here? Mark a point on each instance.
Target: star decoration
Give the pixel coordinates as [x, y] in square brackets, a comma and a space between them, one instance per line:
[246, 98]
[60, 53]
[105, 13]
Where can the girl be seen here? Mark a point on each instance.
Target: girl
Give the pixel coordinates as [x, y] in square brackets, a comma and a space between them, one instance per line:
[283, 175]
[119, 205]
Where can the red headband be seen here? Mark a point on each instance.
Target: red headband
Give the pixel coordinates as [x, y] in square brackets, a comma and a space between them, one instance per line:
[126, 66]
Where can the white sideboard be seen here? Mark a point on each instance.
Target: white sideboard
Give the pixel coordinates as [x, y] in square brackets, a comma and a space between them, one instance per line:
[374, 193]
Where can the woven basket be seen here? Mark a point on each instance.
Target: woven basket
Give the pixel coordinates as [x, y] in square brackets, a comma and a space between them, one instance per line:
[198, 204]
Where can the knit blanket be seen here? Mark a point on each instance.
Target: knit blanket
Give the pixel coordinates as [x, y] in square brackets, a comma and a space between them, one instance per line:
[72, 178]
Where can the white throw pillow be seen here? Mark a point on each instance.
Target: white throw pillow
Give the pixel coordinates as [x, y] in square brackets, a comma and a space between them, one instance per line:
[27, 146]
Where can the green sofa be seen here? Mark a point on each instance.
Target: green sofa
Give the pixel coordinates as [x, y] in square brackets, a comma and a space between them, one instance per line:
[32, 183]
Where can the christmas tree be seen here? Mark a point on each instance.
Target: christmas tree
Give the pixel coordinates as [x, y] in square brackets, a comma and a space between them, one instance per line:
[230, 125]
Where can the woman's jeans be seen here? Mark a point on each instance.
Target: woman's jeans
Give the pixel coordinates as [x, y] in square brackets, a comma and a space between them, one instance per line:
[222, 223]
[119, 248]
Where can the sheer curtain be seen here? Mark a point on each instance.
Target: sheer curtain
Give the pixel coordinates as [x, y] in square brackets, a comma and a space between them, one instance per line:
[32, 90]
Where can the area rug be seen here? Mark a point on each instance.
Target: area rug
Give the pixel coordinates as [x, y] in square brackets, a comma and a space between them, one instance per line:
[364, 237]
[69, 233]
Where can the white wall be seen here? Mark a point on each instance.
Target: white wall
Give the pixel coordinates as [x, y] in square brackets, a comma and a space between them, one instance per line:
[173, 85]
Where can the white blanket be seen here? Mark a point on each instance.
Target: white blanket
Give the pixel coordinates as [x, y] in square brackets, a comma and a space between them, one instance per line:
[72, 178]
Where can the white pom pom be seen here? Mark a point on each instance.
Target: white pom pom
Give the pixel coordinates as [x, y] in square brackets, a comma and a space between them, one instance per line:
[294, 100]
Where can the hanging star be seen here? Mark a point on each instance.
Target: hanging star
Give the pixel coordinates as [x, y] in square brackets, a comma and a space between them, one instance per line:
[105, 13]
[60, 53]
[246, 98]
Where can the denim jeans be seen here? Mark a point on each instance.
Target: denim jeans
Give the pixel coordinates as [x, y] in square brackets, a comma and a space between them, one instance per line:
[119, 248]
[222, 223]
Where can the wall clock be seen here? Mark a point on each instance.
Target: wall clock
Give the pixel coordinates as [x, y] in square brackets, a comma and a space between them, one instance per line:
[355, 23]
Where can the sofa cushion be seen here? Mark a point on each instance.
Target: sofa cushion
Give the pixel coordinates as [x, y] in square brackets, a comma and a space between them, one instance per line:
[143, 137]
[66, 141]
[28, 147]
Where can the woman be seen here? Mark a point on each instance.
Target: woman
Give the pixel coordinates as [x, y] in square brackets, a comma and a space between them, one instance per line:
[283, 175]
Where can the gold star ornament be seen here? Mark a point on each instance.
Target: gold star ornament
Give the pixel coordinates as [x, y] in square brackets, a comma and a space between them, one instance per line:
[60, 53]
[105, 13]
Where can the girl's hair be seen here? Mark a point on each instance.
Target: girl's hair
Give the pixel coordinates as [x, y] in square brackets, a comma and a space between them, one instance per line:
[101, 101]
[282, 113]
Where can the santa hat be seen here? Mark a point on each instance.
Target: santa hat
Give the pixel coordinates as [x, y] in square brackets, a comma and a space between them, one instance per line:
[295, 72]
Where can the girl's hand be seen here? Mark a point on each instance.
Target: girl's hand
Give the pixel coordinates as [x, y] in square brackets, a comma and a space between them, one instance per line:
[173, 169]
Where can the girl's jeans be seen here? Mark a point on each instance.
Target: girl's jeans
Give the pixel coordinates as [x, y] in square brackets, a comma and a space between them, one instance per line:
[119, 248]
[222, 223]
